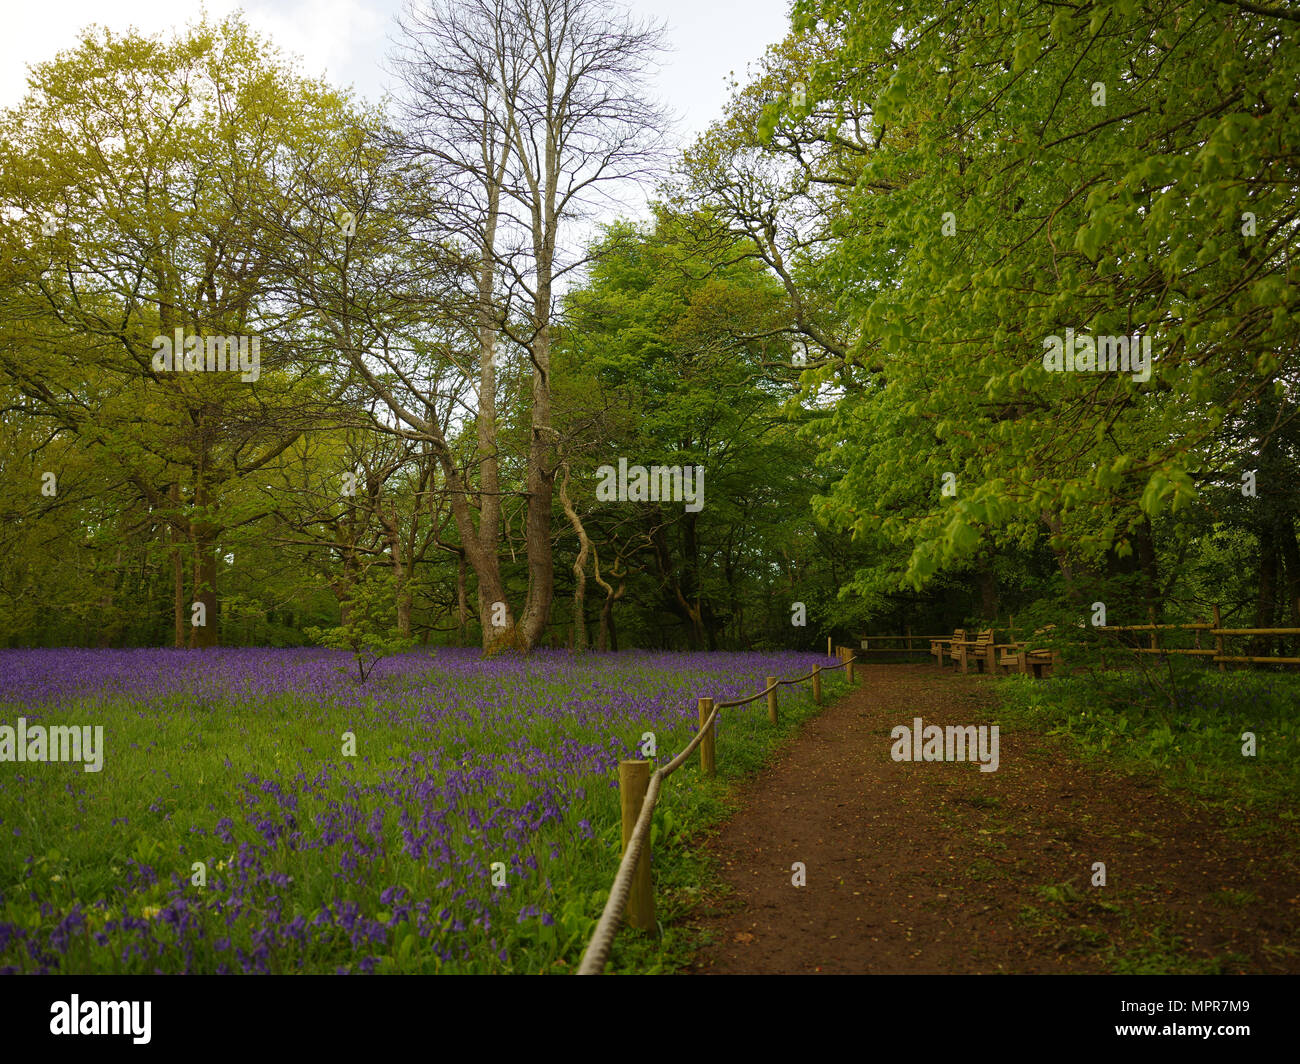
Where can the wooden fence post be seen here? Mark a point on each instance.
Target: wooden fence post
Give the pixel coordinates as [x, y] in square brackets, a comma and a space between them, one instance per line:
[707, 763]
[848, 666]
[828, 646]
[1218, 639]
[817, 684]
[633, 779]
[771, 699]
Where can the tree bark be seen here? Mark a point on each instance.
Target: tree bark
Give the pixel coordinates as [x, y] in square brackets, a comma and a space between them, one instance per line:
[1291, 557]
[178, 566]
[462, 602]
[203, 535]
[606, 639]
[579, 568]
[401, 589]
[541, 480]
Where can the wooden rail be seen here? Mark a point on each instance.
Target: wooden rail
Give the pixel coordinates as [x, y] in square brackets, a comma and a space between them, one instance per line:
[1218, 655]
[1213, 628]
[631, 891]
[924, 648]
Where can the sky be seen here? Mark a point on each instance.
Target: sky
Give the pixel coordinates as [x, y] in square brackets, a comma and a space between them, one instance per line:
[348, 40]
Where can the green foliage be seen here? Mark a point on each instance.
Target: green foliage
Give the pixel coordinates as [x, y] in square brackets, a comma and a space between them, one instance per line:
[672, 352]
[368, 630]
[1185, 724]
[916, 199]
[134, 205]
[999, 202]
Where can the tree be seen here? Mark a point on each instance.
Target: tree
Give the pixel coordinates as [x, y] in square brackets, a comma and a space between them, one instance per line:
[368, 630]
[1108, 170]
[134, 236]
[525, 108]
[666, 355]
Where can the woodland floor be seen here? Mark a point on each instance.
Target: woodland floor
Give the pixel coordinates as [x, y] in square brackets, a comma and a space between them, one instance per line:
[927, 867]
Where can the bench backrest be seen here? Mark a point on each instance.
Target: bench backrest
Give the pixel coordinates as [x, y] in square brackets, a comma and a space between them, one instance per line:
[985, 636]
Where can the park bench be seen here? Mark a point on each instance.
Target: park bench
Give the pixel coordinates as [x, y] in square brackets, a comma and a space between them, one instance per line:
[980, 650]
[941, 647]
[1028, 662]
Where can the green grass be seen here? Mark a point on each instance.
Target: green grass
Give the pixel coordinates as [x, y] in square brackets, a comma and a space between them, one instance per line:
[1183, 730]
[1180, 731]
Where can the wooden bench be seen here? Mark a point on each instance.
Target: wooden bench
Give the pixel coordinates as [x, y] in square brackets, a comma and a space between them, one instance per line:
[1036, 663]
[941, 647]
[979, 650]
[998, 659]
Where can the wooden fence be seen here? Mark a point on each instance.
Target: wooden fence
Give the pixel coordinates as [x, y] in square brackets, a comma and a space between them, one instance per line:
[909, 639]
[1213, 631]
[638, 791]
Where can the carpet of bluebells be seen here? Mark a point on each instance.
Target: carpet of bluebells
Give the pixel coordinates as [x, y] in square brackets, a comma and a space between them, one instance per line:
[474, 830]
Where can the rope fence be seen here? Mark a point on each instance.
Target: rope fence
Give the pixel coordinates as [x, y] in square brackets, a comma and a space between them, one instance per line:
[631, 891]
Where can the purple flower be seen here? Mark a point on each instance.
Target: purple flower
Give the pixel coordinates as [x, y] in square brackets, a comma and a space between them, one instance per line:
[453, 806]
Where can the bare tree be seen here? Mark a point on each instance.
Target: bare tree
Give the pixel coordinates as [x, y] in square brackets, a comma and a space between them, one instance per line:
[527, 110]
[451, 64]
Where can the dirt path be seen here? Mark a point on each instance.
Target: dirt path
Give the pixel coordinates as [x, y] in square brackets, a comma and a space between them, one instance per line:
[939, 867]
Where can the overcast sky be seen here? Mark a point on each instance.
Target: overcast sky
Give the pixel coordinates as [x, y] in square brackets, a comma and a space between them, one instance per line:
[349, 39]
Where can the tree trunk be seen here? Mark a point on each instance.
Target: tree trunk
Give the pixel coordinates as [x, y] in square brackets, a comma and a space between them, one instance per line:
[178, 567]
[1291, 556]
[579, 568]
[401, 588]
[606, 639]
[1266, 603]
[541, 483]
[462, 602]
[205, 586]
[675, 595]
[608, 619]
[699, 611]
[1055, 527]
[345, 542]
[486, 566]
[203, 535]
